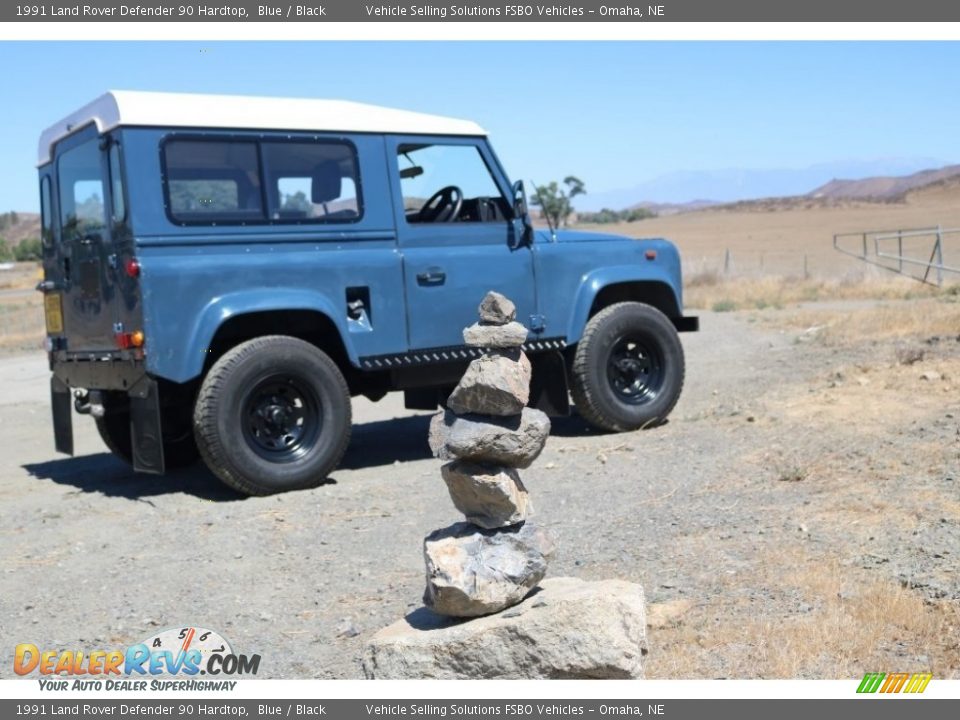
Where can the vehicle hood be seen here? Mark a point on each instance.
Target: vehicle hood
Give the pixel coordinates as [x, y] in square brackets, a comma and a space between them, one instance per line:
[575, 236]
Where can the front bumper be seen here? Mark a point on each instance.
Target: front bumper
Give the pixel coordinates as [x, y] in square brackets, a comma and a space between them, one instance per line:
[689, 323]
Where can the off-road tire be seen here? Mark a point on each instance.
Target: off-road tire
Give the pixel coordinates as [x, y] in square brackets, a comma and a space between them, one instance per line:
[591, 386]
[235, 420]
[114, 429]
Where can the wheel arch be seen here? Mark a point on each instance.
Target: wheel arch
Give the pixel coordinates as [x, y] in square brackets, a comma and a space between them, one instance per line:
[231, 319]
[607, 287]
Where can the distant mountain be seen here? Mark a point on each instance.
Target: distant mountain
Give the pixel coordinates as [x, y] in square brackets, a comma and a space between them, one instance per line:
[732, 184]
[882, 187]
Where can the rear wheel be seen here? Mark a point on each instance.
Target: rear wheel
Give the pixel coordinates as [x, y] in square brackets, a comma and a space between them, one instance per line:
[179, 447]
[628, 368]
[273, 414]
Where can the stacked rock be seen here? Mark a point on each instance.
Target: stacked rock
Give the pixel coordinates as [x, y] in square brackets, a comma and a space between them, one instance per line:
[495, 558]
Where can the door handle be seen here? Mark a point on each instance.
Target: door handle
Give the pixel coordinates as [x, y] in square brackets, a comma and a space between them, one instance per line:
[431, 276]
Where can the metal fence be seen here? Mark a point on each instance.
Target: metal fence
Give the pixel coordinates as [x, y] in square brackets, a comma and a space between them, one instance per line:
[901, 251]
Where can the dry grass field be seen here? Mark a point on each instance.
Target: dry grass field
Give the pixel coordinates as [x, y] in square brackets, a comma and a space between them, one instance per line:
[869, 445]
[773, 237]
[21, 309]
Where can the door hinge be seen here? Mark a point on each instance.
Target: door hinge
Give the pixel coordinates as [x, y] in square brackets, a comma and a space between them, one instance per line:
[537, 323]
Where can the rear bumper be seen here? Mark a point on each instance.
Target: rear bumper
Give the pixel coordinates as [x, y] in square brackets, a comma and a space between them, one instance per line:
[118, 370]
[690, 323]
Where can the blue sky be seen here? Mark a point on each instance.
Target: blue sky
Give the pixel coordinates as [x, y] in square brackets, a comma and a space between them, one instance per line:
[617, 114]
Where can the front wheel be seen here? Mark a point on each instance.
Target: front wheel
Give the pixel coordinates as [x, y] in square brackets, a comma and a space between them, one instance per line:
[628, 368]
[273, 414]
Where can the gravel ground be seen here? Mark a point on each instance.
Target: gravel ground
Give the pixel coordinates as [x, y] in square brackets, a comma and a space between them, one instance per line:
[785, 455]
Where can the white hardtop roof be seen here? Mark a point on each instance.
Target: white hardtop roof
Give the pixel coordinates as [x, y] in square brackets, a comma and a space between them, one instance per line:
[153, 109]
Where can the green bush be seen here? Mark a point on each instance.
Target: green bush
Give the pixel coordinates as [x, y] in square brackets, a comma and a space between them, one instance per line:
[28, 250]
[5, 253]
[607, 216]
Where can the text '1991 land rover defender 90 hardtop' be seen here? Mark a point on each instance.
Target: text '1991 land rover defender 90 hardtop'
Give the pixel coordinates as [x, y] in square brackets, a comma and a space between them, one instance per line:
[222, 274]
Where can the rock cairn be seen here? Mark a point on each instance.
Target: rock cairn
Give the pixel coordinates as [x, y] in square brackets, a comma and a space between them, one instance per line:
[484, 568]
[498, 555]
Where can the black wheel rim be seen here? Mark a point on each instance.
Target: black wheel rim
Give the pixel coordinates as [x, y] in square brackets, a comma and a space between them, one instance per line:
[282, 419]
[635, 370]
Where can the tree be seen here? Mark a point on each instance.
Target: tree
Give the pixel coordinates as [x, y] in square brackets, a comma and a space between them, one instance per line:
[5, 253]
[554, 201]
[28, 250]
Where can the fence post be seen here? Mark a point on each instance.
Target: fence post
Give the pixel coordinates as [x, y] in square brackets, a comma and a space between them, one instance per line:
[939, 256]
[900, 249]
[726, 262]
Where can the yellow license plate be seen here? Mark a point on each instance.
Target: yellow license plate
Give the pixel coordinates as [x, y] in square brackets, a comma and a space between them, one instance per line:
[53, 310]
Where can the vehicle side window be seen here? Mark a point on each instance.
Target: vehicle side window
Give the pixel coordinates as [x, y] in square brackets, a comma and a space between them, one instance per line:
[81, 190]
[213, 181]
[116, 185]
[427, 171]
[312, 181]
[46, 203]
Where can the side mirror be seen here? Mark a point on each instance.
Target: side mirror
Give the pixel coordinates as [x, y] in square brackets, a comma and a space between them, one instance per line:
[519, 200]
[521, 216]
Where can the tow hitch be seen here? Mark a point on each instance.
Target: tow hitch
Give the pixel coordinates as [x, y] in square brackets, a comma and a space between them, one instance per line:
[89, 403]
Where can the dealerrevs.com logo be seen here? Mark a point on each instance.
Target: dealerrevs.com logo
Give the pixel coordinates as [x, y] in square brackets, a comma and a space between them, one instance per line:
[155, 663]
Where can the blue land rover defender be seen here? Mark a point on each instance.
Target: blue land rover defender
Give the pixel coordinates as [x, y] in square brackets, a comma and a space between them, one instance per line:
[222, 274]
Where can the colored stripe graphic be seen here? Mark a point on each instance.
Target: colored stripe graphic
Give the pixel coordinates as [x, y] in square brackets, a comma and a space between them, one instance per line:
[894, 682]
[870, 682]
[918, 682]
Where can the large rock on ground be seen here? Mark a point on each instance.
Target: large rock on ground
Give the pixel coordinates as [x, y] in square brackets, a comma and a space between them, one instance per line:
[496, 309]
[515, 441]
[513, 334]
[472, 572]
[490, 496]
[567, 629]
[494, 384]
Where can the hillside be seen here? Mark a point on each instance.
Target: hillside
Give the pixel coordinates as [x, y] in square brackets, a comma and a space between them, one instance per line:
[883, 188]
[27, 227]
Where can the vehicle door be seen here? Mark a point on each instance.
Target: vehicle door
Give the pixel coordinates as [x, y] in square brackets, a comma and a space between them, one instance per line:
[83, 263]
[457, 236]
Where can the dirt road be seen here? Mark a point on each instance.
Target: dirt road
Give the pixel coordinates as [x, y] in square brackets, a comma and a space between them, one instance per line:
[799, 516]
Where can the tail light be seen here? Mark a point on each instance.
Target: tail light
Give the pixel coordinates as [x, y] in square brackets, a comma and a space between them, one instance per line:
[127, 340]
[132, 267]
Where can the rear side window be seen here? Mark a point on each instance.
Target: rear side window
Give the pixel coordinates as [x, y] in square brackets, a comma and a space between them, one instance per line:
[116, 185]
[213, 181]
[80, 180]
[234, 182]
[46, 221]
[312, 181]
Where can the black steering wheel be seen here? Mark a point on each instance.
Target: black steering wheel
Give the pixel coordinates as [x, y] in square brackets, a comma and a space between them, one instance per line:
[443, 206]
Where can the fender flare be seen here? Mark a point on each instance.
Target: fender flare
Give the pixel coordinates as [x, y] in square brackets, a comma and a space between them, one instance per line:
[223, 308]
[593, 282]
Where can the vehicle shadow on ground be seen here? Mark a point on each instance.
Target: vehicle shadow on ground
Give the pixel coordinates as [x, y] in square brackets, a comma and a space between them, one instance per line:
[373, 444]
[105, 474]
[384, 442]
